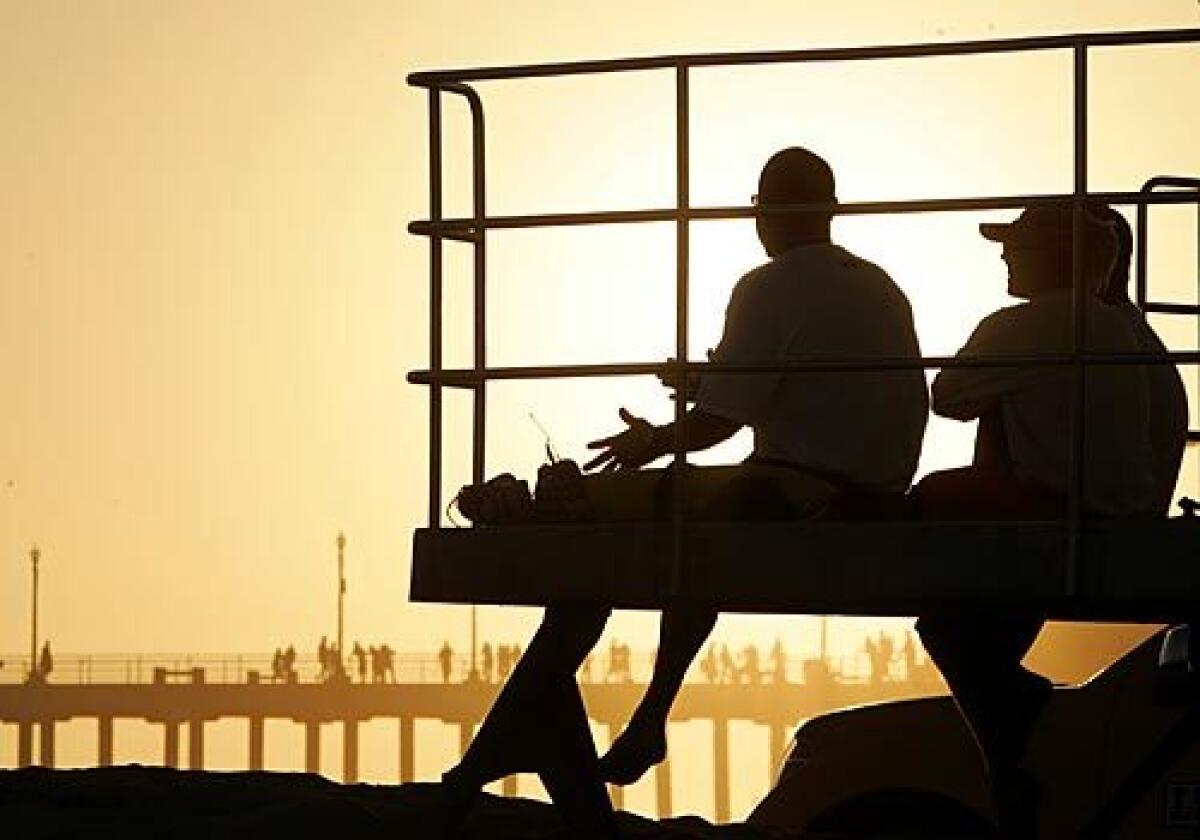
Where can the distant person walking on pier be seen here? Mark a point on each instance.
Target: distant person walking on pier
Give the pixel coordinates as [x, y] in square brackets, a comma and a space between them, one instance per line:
[504, 662]
[624, 663]
[908, 653]
[874, 672]
[819, 441]
[446, 660]
[887, 653]
[289, 664]
[613, 672]
[45, 664]
[485, 662]
[728, 666]
[360, 660]
[387, 658]
[1021, 468]
[778, 663]
[323, 660]
[709, 665]
[750, 673]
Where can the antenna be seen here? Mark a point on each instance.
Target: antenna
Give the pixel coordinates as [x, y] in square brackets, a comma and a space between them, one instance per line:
[551, 455]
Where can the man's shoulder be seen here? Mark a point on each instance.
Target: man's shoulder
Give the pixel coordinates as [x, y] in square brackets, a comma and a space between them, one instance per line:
[845, 260]
[1048, 319]
[826, 266]
[1008, 328]
[824, 257]
[1014, 313]
[755, 282]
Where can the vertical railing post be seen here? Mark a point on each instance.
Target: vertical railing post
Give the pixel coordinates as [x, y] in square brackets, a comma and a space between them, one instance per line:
[1142, 283]
[682, 255]
[479, 212]
[479, 284]
[1079, 299]
[435, 308]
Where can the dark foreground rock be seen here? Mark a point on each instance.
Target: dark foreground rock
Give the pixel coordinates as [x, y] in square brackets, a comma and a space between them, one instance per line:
[152, 802]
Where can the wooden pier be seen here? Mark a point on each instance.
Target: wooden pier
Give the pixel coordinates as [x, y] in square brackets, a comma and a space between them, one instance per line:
[183, 708]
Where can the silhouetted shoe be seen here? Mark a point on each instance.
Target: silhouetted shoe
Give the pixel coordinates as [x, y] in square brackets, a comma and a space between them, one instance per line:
[635, 751]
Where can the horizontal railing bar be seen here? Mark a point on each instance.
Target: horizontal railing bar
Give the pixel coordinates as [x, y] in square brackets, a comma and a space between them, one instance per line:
[465, 377]
[1171, 308]
[1175, 181]
[463, 227]
[436, 78]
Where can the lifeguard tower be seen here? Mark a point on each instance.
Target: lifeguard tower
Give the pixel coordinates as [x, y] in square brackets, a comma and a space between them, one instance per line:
[1073, 569]
[1140, 571]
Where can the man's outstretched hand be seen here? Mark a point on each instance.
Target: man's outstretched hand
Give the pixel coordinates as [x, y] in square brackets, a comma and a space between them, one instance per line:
[633, 448]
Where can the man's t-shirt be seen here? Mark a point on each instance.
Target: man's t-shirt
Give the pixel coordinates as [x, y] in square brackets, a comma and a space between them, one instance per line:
[820, 302]
[1035, 401]
[1168, 409]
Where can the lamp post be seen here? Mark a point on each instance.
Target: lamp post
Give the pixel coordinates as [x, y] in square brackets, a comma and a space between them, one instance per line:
[824, 640]
[474, 672]
[341, 549]
[34, 556]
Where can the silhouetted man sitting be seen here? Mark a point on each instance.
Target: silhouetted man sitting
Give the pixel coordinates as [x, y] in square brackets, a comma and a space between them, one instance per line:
[1021, 470]
[816, 437]
[1168, 397]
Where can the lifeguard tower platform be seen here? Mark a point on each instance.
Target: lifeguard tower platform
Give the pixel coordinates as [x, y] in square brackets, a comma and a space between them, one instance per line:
[1147, 571]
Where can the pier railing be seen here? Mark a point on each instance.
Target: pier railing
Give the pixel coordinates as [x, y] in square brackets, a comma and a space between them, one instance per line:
[409, 669]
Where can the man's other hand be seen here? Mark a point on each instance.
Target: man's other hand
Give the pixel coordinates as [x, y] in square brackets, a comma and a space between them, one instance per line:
[669, 378]
[633, 448]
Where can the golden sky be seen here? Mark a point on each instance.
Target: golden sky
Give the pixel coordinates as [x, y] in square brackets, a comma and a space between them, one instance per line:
[209, 301]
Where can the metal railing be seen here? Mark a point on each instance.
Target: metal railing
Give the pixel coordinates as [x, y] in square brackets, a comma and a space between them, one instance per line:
[474, 230]
[218, 668]
[416, 668]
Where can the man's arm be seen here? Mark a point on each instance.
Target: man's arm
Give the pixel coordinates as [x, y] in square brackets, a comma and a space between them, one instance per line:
[643, 442]
[965, 393]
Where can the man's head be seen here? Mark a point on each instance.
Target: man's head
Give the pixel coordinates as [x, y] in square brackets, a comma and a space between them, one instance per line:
[793, 176]
[1038, 249]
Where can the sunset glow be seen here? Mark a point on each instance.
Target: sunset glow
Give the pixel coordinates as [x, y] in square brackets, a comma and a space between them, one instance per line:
[210, 303]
